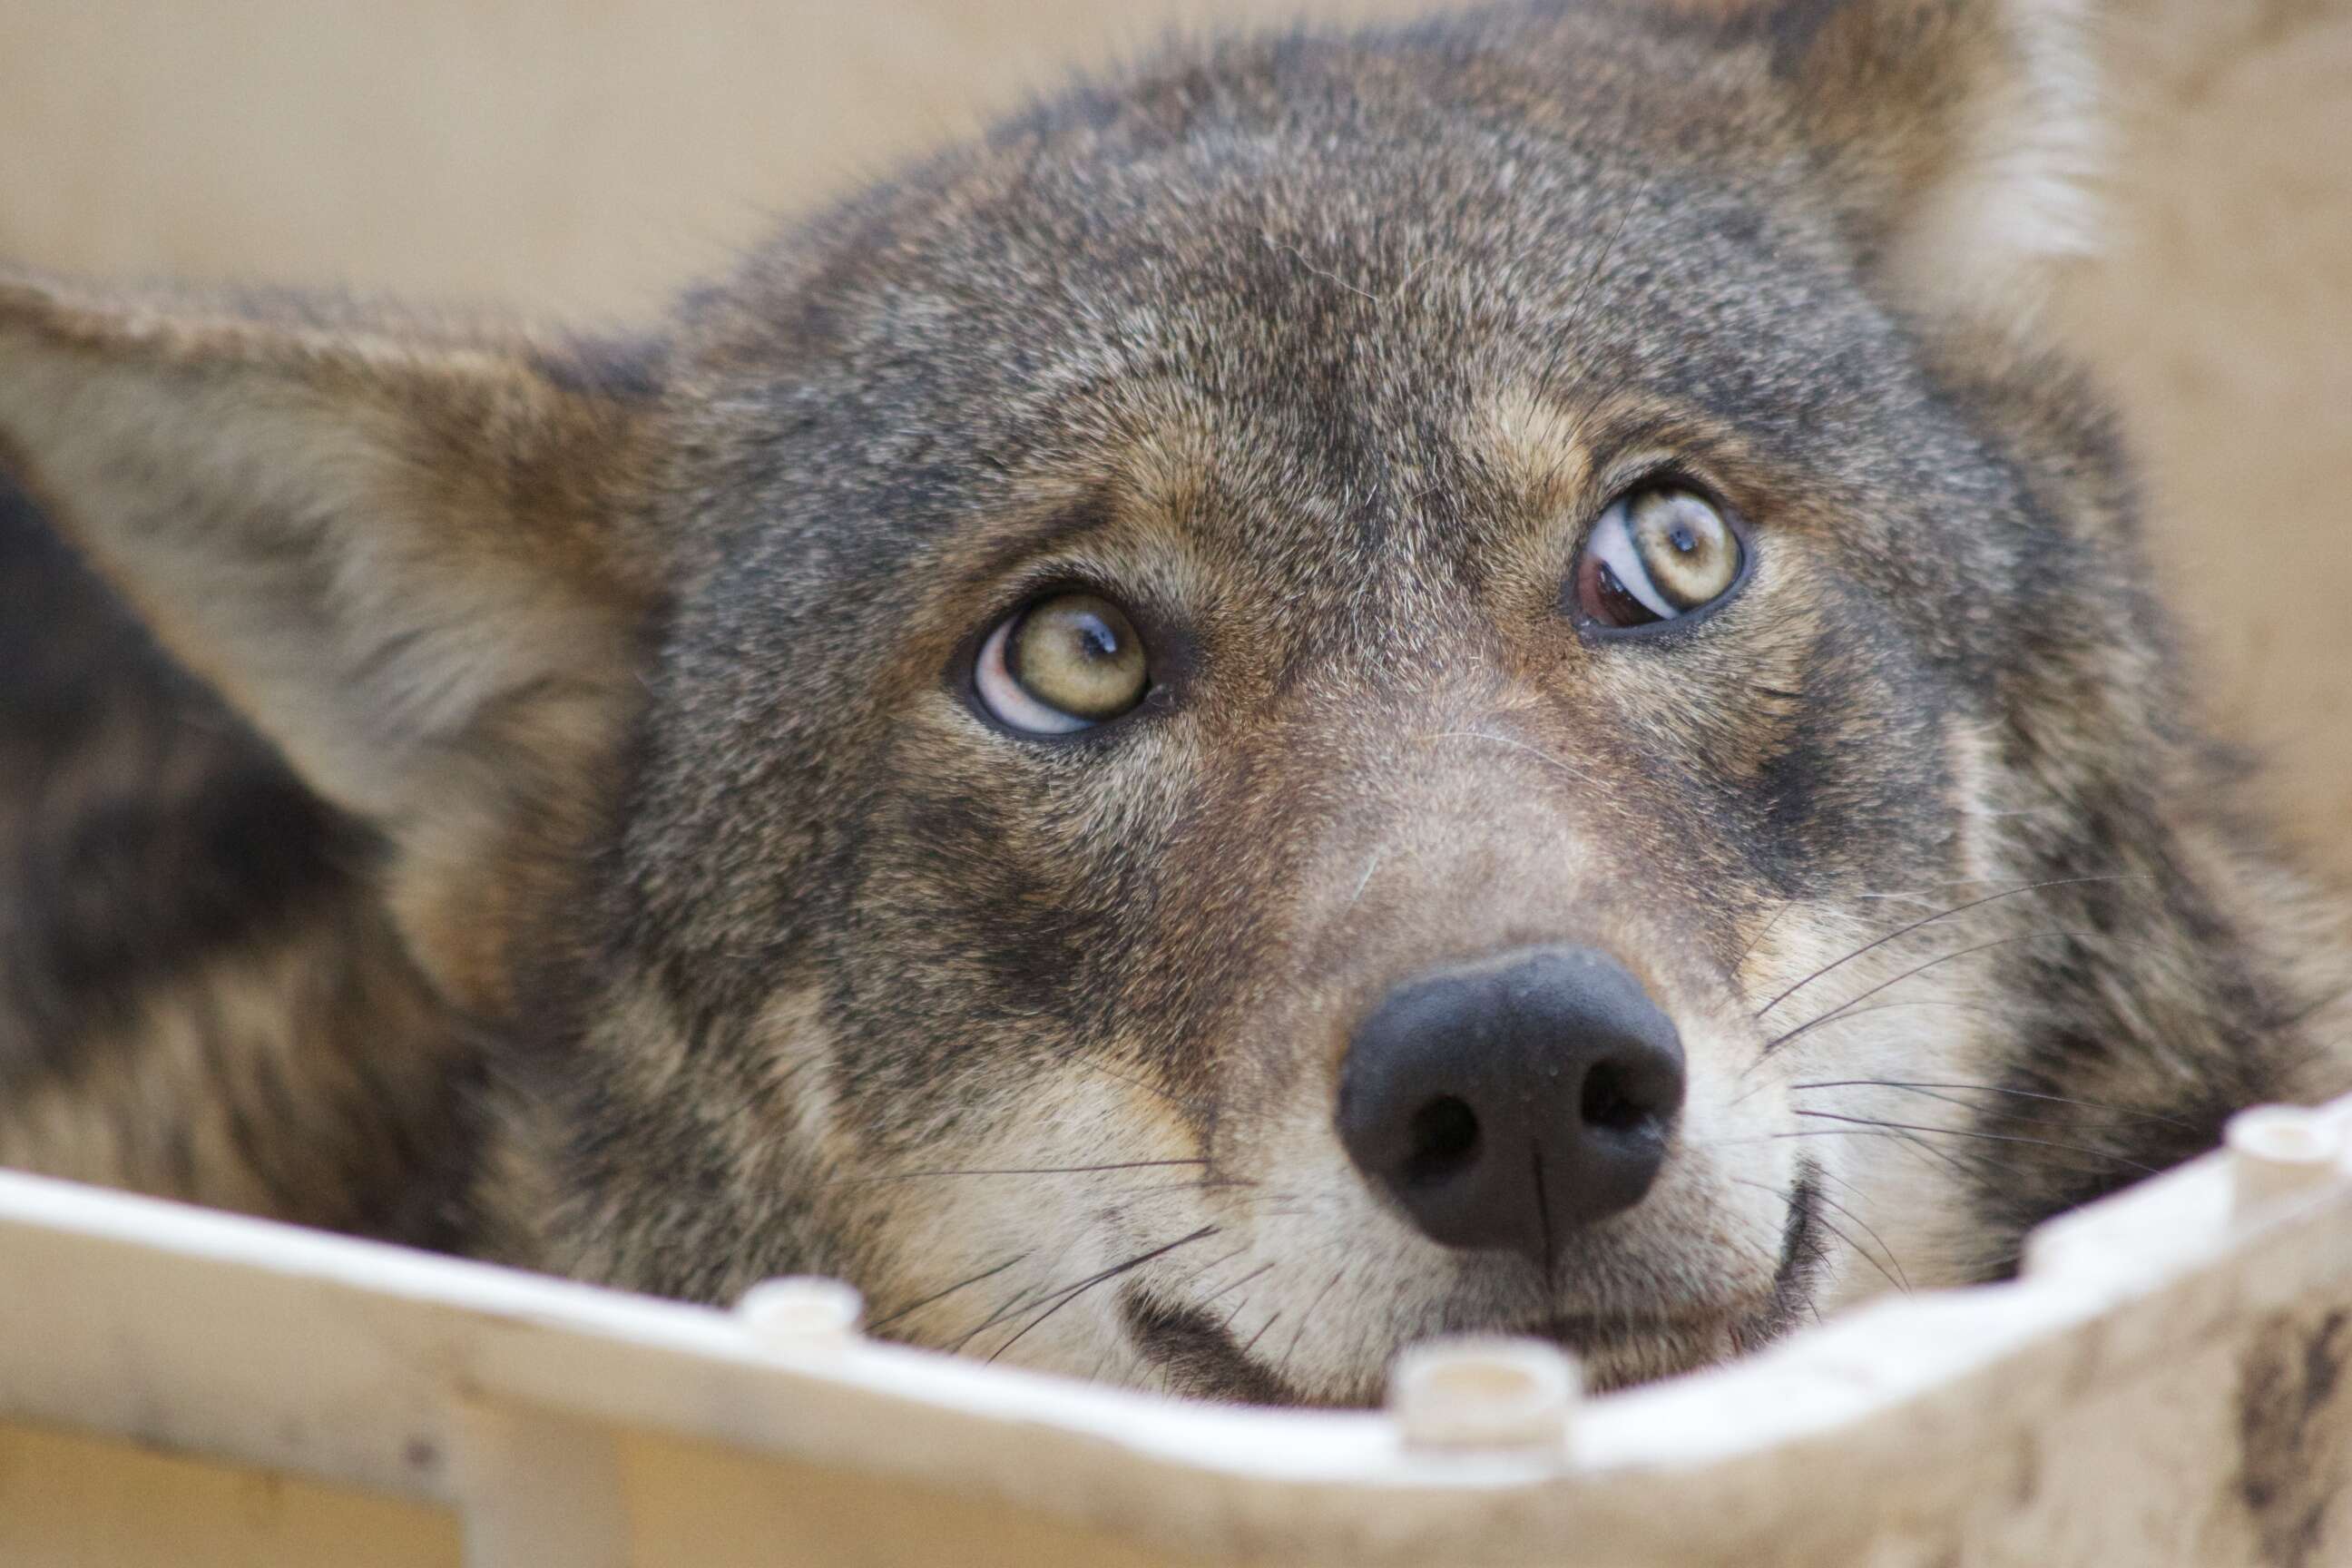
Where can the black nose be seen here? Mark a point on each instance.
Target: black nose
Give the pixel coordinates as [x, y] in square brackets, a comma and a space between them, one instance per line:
[1505, 1104]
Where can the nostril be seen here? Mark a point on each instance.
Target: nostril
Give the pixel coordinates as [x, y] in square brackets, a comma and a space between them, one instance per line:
[1610, 1099]
[1444, 1141]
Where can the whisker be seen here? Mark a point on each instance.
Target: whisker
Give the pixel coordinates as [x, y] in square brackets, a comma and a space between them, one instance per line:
[1924, 889]
[1255, 1273]
[1562, 763]
[1901, 895]
[1601, 258]
[1113, 1272]
[1988, 1011]
[1205, 1184]
[1824, 1174]
[1020, 1300]
[1982, 1137]
[1181, 1103]
[1946, 1001]
[1967, 1165]
[910, 1309]
[1960, 1162]
[1901, 1279]
[1917, 895]
[1307, 1318]
[1850, 1003]
[1906, 929]
[1756, 941]
[1861, 1251]
[1217, 1262]
[1925, 1086]
[1011, 1171]
[1327, 276]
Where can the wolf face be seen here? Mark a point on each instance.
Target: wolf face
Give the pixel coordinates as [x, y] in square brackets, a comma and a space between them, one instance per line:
[1463, 678]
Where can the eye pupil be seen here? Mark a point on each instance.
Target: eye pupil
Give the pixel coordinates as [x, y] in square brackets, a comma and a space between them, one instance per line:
[1683, 539]
[1100, 640]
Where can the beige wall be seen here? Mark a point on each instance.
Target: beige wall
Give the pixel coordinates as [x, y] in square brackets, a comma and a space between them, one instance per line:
[584, 156]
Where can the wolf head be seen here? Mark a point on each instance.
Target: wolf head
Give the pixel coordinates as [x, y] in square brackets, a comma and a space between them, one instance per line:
[1465, 677]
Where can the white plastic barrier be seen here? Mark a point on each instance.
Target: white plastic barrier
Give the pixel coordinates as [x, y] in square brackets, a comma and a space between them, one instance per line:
[2166, 1385]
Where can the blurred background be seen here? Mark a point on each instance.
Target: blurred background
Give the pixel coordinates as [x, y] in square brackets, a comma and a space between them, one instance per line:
[585, 158]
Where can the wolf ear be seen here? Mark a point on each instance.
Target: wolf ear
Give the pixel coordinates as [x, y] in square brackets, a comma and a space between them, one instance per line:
[1962, 137]
[410, 559]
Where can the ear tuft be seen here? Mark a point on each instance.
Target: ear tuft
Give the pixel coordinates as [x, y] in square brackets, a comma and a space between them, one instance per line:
[1963, 138]
[1987, 232]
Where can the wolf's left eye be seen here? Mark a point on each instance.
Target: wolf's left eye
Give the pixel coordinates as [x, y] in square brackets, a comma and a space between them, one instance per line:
[1657, 553]
[1060, 665]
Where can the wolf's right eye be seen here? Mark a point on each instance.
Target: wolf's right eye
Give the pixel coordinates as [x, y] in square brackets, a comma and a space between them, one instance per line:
[1061, 665]
[1658, 553]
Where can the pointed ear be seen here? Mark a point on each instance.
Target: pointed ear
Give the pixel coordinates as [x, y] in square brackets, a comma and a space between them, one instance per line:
[412, 559]
[1961, 137]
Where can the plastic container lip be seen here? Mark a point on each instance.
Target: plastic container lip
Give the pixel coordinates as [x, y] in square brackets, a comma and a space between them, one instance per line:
[1484, 1392]
[517, 1401]
[802, 1307]
[2285, 1135]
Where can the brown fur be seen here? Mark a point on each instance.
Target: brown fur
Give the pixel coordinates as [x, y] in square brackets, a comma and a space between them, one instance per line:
[641, 675]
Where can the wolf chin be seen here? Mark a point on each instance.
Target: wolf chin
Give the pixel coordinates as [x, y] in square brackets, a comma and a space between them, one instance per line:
[1351, 685]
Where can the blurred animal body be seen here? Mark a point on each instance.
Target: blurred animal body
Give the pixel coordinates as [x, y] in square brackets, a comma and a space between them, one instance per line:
[1475, 676]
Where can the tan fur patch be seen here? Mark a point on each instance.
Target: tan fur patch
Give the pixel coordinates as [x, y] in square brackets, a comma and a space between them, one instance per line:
[1539, 445]
[284, 1079]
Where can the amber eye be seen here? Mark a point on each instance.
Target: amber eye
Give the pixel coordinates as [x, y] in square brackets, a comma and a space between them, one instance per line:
[1658, 554]
[1061, 665]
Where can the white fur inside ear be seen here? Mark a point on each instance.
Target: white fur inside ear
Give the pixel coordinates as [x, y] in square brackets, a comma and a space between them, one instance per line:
[1989, 240]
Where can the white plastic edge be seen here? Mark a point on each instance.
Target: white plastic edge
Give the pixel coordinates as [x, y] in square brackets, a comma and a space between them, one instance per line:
[357, 1364]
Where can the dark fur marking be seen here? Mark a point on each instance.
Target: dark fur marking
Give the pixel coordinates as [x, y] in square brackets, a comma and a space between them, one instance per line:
[148, 826]
[1192, 1346]
[2291, 1440]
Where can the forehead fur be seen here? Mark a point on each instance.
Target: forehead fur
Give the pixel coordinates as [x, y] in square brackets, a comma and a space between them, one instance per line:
[1343, 248]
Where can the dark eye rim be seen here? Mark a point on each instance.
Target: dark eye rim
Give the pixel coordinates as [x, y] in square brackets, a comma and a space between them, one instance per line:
[1160, 671]
[1669, 477]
